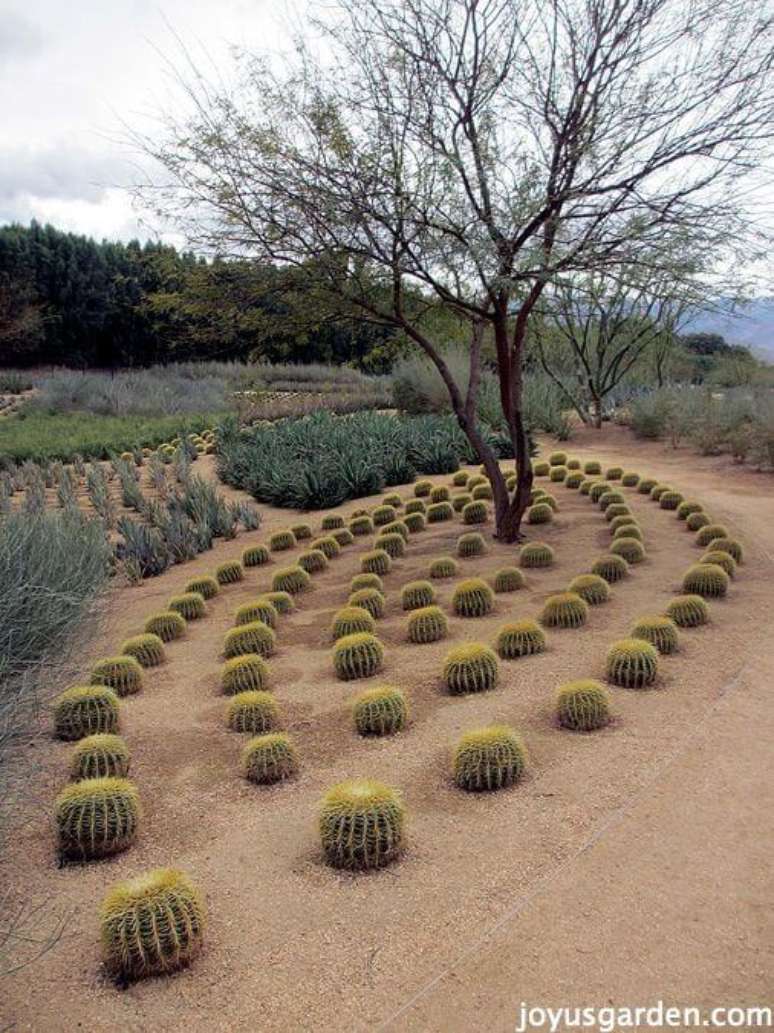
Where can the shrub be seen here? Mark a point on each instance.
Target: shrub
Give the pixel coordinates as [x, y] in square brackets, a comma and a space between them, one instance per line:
[383, 515]
[229, 572]
[100, 756]
[167, 625]
[269, 758]
[474, 513]
[366, 581]
[151, 924]
[376, 562]
[720, 559]
[312, 561]
[482, 493]
[258, 610]
[291, 580]
[472, 598]
[611, 567]
[427, 624]
[489, 758]
[471, 667]
[281, 601]
[592, 588]
[687, 507]
[253, 711]
[536, 554]
[557, 459]
[380, 711]
[439, 512]
[247, 672]
[631, 549]
[301, 532]
[423, 488]
[558, 474]
[415, 506]
[205, 586]
[96, 817]
[361, 525]
[328, 546]
[541, 469]
[414, 522]
[600, 488]
[632, 663]
[282, 540]
[628, 531]
[688, 611]
[729, 545]
[331, 521]
[707, 580]
[520, 638]
[249, 638]
[417, 594]
[564, 610]
[361, 825]
[670, 500]
[469, 545]
[357, 656]
[189, 605]
[540, 513]
[630, 479]
[583, 706]
[706, 534]
[592, 468]
[123, 674]
[618, 509]
[697, 520]
[392, 544]
[661, 632]
[646, 485]
[574, 479]
[370, 599]
[609, 498]
[255, 556]
[508, 579]
[148, 650]
[350, 620]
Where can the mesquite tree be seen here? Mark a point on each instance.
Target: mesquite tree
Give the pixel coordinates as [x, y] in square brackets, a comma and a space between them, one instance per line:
[466, 153]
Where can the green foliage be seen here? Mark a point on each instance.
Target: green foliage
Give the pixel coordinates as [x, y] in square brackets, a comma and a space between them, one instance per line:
[489, 758]
[583, 706]
[471, 544]
[147, 649]
[688, 611]
[370, 599]
[630, 479]
[564, 610]
[205, 586]
[472, 598]
[380, 711]
[189, 605]
[249, 638]
[439, 511]
[247, 672]
[312, 561]
[631, 549]
[376, 562]
[661, 632]
[123, 674]
[357, 656]
[697, 520]
[269, 758]
[708, 532]
[520, 638]
[350, 620]
[417, 594]
[361, 525]
[253, 711]
[592, 588]
[443, 567]
[632, 663]
[392, 544]
[471, 667]
[414, 522]
[707, 580]
[720, 559]
[611, 567]
[729, 545]
[255, 556]
[292, 580]
[230, 572]
[427, 624]
[670, 500]
[166, 625]
[281, 601]
[361, 825]
[536, 554]
[687, 507]
[96, 817]
[258, 610]
[151, 924]
[592, 468]
[100, 756]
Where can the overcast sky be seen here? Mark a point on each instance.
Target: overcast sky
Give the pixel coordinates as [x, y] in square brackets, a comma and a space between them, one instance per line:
[72, 72]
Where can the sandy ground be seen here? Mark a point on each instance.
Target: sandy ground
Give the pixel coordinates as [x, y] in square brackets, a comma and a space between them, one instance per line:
[628, 866]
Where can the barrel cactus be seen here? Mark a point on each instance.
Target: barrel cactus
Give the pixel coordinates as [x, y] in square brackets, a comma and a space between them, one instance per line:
[630, 549]
[207, 587]
[85, 710]
[482, 493]
[547, 500]
[383, 515]
[472, 598]
[489, 758]
[96, 817]
[280, 541]
[628, 531]
[729, 545]
[707, 580]
[230, 572]
[328, 546]
[557, 459]
[474, 513]
[573, 464]
[443, 567]
[564, 610]
[366, 581]
[632, 663]
[583, 706]
[439, 512]
[440, 493]
[396, 527]
[616, 510]
[313, 561]
[258, 610]
[626, 519]
[720, 559]
[370, 599]
[536, 554]
[660, 631]
[415, 522]
[255, 556]
[586, 486]
[291, 580]
[686, 507]
[357, 656]
[558, 474]
[541, 469]
[614, 473]
[392, 544]
[414, 506]
[427, 624]
[151, 924]
[592, 588]
[253, 711]
[167, 625]
[630, 479]
[246, 673]
[189, 605]
[417, 594]
[393, 499]
[121, 673]
[609, 498]
[646, 485]
[302, 532]
[460, 478]
[670, 500]
[422, 489]
[376, 562]
[574, 479]
[380, 711]
[361, 525]
[592, 468]
[508, 579]
[350, 620]
[269, 758]
[332, 520]
[249, 638]
[688, 611]
[281, 601]
[611, 567]
[540, 513]
[598, 489]
[147, 649]
[469, 545]
[103, 755]
[343, 536]
[697, 520]
[471, 667]
[520, 638]
[361, 825]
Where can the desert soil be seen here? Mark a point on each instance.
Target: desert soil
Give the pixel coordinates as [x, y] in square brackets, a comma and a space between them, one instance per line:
[629, 866]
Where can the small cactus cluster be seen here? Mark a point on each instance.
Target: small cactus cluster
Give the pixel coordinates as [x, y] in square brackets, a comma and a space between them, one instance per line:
[361, 525]
[471, 667]
[313, 561]
[332, 521]
[190, 605]
[230, 572]
[720, 559]
[258, 610]
[392, 544]
[376, 562]
[280, 541]
[269, 758]
[246, 673]
[151, 924]
[103, 755]
[350, 620]
[96, 817]
[611, 567]
[357, 656]
[688, 611]
[147, 649]
[443, 567]
[632, 663]
[489, 758]
[416, 594]
[380, 711]
[361, 825]
[167, 625]
[472, 598]
[508, 579]
[207, 587]
[123, 674]
[254, 712]
[291, 580]
[520, 638]
[474, 513]
[583, 706]
[249, 638]
[439, 512]
[536, 554]
[630, 549]
[564, 610]
[327, 545]
[707, 580]
[660, 631]
[540, 513]
[469, 545]
[592, 588]
[369, 599]
[630, 479]
[427, 624]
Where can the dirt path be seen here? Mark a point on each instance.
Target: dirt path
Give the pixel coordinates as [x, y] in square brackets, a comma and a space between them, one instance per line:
[629, 866]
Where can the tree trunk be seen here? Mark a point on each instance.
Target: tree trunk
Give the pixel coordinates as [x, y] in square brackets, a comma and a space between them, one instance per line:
[596, 408]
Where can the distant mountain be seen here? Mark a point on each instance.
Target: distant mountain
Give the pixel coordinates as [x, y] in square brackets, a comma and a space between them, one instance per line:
[752, 325]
